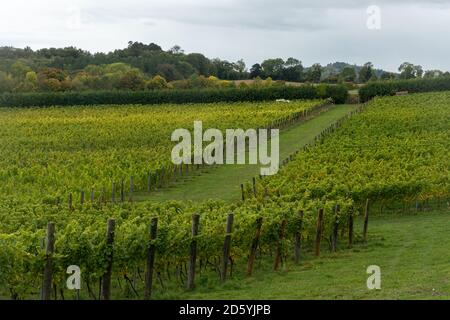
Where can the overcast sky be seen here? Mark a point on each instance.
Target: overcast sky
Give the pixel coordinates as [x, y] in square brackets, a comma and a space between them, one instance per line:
[312, 31]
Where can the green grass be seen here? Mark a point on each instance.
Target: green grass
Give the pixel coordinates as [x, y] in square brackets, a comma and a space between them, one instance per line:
[223, 182]
[412, 250]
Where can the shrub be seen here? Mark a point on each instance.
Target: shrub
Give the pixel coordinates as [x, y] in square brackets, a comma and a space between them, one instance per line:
[157, 82]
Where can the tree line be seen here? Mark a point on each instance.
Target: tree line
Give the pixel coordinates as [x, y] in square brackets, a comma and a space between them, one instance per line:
[147, 66]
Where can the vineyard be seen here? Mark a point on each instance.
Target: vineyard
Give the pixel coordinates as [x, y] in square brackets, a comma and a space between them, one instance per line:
[398, 149]
[49, 153]
[393, 150]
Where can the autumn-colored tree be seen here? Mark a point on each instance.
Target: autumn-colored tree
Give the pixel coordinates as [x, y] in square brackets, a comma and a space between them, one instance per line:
[157, 82]
[50, 85]
[132, 80]
[49, 79]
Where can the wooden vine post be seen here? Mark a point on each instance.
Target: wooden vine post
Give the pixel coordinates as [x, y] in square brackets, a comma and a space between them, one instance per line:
[366, 219]
[150, 258]
[242, 192]
[350, 229]
[106, 280]
[193, 254]
[48, 269]
[254, 186]
[319, 232]
[279, 245]
[254, 247]
[298, 237]
[226, 247]
[334, 235]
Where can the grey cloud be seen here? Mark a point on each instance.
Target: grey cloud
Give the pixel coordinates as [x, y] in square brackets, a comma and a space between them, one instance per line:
[254, 14]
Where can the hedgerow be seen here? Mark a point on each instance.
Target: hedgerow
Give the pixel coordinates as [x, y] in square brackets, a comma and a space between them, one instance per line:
[42, 99]
[387, 88]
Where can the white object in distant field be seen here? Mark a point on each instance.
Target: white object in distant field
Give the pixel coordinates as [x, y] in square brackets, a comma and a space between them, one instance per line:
[283, 100]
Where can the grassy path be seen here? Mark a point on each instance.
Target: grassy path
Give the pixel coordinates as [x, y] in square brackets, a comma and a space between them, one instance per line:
[412, 250]
[223, 182]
